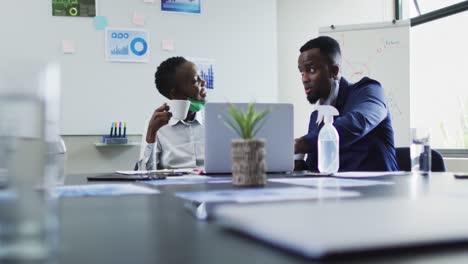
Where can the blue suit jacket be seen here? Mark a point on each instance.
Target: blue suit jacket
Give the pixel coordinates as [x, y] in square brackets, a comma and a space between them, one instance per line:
[364, 126]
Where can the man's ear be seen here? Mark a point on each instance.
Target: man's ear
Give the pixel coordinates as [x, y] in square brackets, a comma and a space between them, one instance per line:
[335, 70]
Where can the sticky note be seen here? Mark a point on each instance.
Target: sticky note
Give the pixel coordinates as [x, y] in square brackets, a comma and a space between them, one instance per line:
[68, 46]
[168, 44]
[149, 1]
[138, 19]
[100, 22]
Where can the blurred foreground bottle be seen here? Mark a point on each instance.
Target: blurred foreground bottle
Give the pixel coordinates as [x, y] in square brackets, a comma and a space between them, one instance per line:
[29, 101]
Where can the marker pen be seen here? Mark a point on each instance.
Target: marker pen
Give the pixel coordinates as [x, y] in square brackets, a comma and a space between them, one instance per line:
[112, 129]
[120, 129]
[125, 129]
[115, 129]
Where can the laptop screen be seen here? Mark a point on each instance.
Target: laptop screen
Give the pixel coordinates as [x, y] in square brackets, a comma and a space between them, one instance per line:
[278, 132]
[319, 230]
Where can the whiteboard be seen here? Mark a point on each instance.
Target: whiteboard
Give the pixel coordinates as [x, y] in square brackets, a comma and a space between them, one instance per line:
[379, 51]
[239, 36]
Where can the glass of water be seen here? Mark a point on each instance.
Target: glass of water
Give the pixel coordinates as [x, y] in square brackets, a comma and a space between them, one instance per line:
[420, 150]
[28, 211]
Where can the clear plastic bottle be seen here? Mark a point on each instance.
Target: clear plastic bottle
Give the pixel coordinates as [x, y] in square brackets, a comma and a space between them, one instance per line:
[328, 142]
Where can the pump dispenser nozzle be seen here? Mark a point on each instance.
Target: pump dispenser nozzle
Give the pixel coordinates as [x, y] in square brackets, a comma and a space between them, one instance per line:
[326, 112]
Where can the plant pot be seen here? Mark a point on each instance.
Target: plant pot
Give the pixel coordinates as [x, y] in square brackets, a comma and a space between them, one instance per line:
[248, 162]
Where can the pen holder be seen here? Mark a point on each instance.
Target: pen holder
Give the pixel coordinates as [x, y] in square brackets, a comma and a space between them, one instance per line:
[114, 140]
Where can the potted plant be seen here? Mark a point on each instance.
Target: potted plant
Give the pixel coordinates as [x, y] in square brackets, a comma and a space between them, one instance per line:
[248, 153]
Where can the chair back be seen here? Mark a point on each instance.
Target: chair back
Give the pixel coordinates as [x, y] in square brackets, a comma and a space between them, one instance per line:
[404, 160]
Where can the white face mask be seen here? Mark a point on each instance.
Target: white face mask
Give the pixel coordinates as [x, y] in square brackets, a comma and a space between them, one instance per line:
[333, 93]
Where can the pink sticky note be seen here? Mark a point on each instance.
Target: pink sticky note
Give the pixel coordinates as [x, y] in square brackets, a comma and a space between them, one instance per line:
[138, 19]
[168, 44]
[68, 46]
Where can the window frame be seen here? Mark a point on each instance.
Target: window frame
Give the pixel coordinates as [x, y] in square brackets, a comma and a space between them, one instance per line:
[425, 18]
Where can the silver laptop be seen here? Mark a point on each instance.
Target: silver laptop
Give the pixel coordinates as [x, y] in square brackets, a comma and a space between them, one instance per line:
[328, 229]
[278, 132]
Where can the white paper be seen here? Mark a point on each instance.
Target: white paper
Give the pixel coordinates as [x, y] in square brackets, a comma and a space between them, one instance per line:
[142, 172]
[187, 170]
[206, 70]
[102, 190]
[330, 182]
[189, 179]
[263, 195]
[367, 174]
[127, 45]
[6, 195]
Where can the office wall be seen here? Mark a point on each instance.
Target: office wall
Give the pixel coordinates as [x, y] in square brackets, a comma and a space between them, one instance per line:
[236, 34]
[299, 21]
[239, 35]
[241, 39]
[84, 157]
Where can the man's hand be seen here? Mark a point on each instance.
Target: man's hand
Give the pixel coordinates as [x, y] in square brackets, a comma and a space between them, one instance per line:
[159, 119]
[301, 146]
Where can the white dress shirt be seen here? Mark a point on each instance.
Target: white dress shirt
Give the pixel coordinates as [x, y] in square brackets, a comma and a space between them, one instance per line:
[331, 100]
[179, 144]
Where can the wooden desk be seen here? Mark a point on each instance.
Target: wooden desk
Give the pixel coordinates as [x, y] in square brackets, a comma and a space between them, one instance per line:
[158, 229]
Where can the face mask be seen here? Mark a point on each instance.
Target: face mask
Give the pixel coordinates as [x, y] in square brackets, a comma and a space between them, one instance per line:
[195, 105]
[333, 94]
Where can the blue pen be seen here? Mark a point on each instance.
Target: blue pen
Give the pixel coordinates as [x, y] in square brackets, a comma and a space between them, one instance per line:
[112, 129]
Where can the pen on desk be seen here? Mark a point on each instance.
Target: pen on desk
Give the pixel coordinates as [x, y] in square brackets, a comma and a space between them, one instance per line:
[115, 129]
[125, 129]
[120, 129]
[112, 129]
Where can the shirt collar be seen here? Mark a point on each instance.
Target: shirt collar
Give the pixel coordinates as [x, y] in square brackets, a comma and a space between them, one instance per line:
[198, 118]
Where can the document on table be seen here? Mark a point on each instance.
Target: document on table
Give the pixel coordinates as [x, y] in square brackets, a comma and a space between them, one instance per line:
[101, 190]
[330, 182]
[263, 195]
[189, 179]
[7, 194]
[162, 171]
[133, 172]
[368, 174]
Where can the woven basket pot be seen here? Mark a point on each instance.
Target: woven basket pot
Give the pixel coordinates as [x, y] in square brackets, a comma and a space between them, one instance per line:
[248, 162]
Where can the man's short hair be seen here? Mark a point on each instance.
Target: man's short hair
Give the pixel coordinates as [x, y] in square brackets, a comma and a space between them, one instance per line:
[327, 46]
[165, 76]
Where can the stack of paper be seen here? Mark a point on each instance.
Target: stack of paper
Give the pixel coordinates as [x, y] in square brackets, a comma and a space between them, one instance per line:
[102, 190]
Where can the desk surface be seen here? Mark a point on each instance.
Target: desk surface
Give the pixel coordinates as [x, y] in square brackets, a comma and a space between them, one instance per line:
[158, 229]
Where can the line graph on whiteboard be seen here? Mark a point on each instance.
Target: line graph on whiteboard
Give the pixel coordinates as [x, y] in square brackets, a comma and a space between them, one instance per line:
[379, 51]
[370, 63]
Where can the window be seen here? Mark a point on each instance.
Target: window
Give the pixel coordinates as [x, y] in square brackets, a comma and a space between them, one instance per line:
[420, 7]
[439, 72]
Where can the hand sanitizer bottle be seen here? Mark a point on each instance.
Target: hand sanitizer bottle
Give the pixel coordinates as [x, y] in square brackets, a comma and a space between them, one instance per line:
[328, 142]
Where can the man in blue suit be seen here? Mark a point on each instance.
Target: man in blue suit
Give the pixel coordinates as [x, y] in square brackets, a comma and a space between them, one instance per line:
[364, 124]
